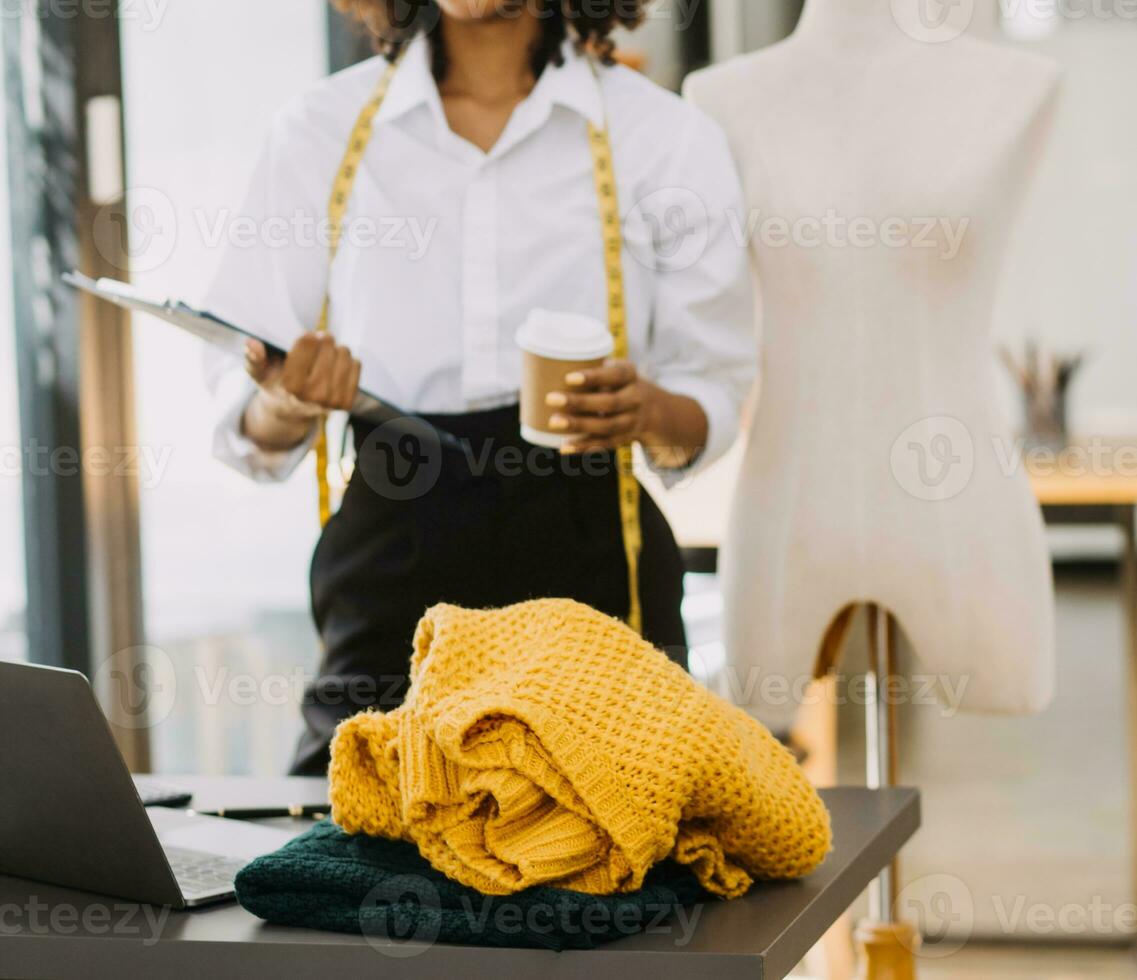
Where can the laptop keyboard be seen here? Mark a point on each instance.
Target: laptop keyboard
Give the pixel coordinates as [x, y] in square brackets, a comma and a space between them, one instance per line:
[199, 873]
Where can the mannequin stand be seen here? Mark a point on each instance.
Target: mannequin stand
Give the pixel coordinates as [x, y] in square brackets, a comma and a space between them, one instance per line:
[886, 947]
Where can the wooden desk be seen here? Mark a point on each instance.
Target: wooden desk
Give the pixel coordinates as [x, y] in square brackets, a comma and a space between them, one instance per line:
[759, 937]
[1087, 473]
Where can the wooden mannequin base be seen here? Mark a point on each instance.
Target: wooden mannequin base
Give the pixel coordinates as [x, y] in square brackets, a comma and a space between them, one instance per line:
[887, 950]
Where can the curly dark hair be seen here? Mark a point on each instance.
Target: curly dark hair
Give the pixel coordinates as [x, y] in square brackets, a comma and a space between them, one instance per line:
[393, 23]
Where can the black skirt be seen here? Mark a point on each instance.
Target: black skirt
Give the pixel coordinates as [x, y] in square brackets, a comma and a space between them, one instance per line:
[481, 520]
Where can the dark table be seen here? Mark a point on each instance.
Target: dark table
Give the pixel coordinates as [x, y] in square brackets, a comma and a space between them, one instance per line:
[54, 932]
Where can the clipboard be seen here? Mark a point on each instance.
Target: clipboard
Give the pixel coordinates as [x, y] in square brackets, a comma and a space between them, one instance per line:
[231, 339]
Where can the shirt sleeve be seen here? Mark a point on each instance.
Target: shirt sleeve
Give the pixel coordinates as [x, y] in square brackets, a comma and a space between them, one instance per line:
[703, 342]
[271, 280]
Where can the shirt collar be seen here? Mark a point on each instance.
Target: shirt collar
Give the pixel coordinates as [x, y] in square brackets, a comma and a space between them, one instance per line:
[412, 85]
[573, 85]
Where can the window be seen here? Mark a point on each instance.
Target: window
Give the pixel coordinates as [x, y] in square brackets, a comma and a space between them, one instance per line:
[13, 640]
[225, 560]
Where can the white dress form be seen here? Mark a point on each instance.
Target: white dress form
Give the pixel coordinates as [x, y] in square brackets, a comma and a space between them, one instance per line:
[877, 469]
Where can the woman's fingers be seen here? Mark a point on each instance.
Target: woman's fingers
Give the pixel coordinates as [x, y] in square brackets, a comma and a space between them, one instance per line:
[298, 365]
[318, 388]
[342, 387]
[610, 376]
[605, 391]
[627, 399]
[317, 371]
[600, 409]
[256, 361]
[623, 424]
[353, 382]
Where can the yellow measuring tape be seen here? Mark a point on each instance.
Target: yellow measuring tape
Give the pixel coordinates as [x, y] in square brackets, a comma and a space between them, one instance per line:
[337, 209]
[605, 178]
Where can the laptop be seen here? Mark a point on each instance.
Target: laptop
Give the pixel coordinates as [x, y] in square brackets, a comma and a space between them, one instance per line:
[71, 814]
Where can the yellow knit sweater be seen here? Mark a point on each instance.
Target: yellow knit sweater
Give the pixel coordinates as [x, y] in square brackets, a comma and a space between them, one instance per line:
[547, 743]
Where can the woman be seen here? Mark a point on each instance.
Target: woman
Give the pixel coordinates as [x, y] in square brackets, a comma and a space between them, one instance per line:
[474, 202]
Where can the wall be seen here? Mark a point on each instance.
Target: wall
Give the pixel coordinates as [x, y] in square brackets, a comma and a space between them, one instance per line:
[1072, 281]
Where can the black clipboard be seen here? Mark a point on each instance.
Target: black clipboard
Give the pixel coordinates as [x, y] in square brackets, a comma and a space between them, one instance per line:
[231, 339]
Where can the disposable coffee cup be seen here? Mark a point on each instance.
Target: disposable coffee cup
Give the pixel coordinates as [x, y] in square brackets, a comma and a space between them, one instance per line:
[552, 346]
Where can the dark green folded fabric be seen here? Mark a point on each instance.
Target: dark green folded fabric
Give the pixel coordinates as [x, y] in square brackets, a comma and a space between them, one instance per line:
[385, 889]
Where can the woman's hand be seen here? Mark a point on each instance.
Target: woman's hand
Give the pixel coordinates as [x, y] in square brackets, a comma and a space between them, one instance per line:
[611, 406]
[318, 376]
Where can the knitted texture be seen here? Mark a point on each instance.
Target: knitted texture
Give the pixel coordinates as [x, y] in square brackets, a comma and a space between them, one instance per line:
[384, 889]
[547, 743]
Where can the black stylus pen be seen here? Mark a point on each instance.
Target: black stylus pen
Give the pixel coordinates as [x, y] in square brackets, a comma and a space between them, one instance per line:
[297, 810]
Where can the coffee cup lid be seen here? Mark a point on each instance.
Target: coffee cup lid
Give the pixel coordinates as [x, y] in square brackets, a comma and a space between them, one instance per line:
[564, 336]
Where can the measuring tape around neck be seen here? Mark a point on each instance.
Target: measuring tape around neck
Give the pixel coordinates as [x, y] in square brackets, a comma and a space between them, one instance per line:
[605, 179]
[629, 488]
[337, 210]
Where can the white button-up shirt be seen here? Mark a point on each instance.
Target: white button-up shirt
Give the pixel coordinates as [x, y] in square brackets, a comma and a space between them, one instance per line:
[446, 249]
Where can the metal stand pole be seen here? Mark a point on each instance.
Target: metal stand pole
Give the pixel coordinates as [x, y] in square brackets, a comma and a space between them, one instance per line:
[887, 947]
[879, 741]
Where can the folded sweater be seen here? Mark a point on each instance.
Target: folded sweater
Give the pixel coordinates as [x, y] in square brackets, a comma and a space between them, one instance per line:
[547, 743]
[385, 890]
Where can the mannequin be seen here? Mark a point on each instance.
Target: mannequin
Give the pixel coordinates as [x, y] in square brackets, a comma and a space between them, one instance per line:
[877, 470]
